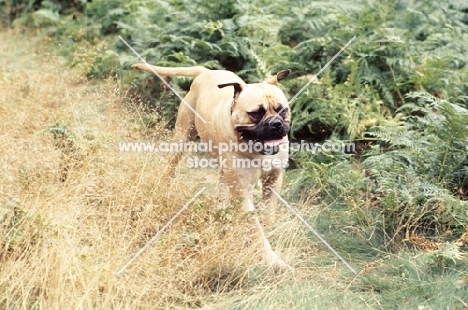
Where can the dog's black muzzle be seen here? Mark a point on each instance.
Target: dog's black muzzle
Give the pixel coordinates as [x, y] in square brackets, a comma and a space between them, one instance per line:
[269, 133]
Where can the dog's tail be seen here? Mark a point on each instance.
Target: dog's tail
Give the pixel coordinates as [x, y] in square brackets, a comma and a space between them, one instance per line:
[168, 71]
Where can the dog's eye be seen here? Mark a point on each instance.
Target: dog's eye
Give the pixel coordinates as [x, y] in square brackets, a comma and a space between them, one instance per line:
[282, 111]
[256, 115]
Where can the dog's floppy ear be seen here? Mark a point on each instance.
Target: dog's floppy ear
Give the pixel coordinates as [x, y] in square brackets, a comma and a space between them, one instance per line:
[237, 88]
[273, 80]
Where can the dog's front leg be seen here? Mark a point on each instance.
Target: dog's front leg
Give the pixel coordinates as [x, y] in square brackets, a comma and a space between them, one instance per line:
[241, 187]
[223, 192]
[273, 179]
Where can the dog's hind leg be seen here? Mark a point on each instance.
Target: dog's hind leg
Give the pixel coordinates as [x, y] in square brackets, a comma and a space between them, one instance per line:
[184, 132]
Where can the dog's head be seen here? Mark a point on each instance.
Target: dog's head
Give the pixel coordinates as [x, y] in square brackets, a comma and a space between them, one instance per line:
[260, 112]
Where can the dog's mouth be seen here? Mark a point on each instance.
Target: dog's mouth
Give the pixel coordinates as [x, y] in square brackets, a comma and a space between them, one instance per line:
[266, 138]
[275, 142]
[266, 147]
[271, 147]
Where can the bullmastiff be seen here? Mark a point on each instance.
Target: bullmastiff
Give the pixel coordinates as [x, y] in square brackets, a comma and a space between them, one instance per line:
[222, 109]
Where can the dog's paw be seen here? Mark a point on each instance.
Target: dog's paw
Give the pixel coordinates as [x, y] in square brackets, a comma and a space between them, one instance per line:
[270, 218]
[282, 265]
[272, 259]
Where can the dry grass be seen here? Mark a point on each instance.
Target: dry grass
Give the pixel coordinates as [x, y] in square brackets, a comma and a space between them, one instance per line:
[74, 210]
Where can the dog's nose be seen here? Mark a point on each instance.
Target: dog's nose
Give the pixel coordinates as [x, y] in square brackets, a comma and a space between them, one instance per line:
[276, 124]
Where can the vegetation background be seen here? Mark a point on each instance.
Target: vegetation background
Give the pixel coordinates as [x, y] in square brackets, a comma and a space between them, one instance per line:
[73, 209]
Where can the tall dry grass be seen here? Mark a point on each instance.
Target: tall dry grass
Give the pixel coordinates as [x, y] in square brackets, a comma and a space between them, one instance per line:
[74, 210]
